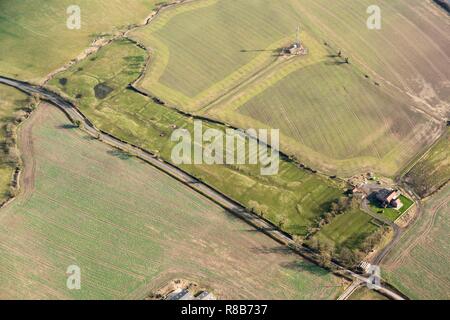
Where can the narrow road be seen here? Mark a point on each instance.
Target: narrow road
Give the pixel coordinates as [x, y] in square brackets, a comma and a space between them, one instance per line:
[397, 232]
[269, 229]
[352, 288]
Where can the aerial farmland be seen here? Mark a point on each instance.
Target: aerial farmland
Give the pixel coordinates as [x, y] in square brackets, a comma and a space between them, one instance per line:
[224, 149]
[142, 241]
[328, 90]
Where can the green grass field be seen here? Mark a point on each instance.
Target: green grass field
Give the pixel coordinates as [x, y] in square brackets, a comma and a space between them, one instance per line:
[131, 229]
[391, 213]
[293, 198]
[418, 265]
[198, 67]
[347, 230]
[432, 170]
[34, 38]
[11, 102]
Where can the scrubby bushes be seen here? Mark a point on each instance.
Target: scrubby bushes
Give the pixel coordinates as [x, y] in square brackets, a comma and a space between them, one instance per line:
[343, 254]
[259, 209]
[9, 154]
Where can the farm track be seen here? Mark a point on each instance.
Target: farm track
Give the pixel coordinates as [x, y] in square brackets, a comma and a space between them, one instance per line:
[75, 115]
[397, 233]
[351, 289]
[25, 143]
[259, 74]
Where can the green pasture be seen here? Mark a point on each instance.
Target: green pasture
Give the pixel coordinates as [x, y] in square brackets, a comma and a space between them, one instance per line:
[349, 230]
[35, 40]
[194, 62]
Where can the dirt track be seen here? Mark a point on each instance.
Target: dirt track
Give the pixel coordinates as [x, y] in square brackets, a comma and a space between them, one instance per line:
[397, 233]
[25, 144]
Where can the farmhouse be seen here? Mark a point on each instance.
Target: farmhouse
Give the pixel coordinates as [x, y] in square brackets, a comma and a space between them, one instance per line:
[389, 198]
[296, 48]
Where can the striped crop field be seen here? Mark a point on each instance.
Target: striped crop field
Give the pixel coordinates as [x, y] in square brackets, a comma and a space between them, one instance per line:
[221, 59]
[432, 170]
[418, 265]
[131, 229]
[313, 107]
[202, 48]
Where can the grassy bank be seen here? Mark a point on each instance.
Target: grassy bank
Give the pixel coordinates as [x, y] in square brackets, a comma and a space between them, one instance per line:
[12, 103]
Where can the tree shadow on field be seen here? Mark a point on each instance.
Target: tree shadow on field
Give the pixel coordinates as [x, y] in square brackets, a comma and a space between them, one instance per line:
[301, 265]
[122, 155]
[89, 137]
[259, 229]
[326, 206]
[334, 63]
[232, 217]
[372, 198]
[276, 52]
[334, 60]
[271, 250]
[67, 126]
[254, 50]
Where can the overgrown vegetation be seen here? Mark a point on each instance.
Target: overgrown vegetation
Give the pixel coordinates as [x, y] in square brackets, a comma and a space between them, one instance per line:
[14, 109]
[344, 233]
